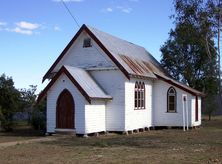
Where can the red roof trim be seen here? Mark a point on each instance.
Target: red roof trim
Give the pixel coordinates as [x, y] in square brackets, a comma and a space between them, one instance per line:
[63, 70]
[107, 52]
[197, 93]
[63, 53]
[84, 27]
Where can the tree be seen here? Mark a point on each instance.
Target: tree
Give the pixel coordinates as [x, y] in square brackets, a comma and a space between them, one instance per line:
[28, 98]
[214, 8]
[38, 120]
[190, 55]
[9, 102]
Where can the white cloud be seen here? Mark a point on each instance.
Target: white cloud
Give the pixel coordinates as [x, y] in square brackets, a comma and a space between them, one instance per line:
[126, 10]
[20, 31]
[3, 23]
[68, 0]
[56, 28]
[27, 25]
[26, 28]
[109, 9]
[21, 27]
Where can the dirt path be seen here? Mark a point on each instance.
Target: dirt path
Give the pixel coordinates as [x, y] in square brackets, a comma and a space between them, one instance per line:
[7, 144]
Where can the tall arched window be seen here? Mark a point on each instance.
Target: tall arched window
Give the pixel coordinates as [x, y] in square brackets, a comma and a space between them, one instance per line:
[139, 95]
[136, 90]
[171, 100]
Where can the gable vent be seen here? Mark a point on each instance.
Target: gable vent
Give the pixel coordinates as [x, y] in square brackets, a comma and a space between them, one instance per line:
[87, 43]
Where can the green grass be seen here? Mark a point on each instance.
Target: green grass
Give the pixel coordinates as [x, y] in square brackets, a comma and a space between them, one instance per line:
[203, 145]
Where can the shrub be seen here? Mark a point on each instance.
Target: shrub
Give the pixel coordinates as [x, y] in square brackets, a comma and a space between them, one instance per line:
[6, 121]
[38, 120]
[9, 102]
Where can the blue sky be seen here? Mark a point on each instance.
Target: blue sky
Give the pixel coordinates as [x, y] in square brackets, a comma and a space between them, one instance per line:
[34, 32]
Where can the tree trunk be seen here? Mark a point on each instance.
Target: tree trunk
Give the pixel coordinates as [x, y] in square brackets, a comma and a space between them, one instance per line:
[209, 118]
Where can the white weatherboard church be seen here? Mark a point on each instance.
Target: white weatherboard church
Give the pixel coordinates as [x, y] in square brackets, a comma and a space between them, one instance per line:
[102, 83]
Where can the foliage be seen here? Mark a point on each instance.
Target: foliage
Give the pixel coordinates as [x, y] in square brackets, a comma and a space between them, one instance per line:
[28, 97]
[9, 102]
[38, 120]
[211, 105]
[190, 54]
[13, 100]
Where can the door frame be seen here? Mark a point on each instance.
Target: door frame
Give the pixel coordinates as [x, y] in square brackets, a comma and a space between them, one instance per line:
[65, 91]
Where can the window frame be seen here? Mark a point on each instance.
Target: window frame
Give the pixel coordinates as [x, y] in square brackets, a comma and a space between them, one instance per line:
[170, 94]
[87, 42]
[139, 96]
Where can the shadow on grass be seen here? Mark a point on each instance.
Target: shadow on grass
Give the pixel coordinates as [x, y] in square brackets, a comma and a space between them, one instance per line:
[22, 131]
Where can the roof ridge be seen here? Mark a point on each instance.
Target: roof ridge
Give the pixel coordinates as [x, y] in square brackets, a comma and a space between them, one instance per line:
[112, 35]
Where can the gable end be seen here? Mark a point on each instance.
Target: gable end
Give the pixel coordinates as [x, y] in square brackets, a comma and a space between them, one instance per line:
[84, 28]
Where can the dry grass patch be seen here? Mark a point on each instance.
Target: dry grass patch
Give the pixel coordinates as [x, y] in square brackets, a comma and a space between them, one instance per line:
[203, 145]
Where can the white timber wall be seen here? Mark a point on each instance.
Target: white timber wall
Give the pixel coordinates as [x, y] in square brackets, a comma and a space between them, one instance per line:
[193, 108]
[89, 118]
[95, 114]
[90, 57]
[135, 119]
[62, 83]
[113, 83]
[160, 115]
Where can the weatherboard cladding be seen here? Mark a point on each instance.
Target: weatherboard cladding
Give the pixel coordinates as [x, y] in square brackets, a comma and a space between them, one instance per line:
[132, 60]
[179, 85]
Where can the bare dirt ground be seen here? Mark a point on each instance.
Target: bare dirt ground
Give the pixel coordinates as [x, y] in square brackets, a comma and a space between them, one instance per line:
[203, 145]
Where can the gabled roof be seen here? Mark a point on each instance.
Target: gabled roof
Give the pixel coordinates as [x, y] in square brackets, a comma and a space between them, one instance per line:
[87, 30]
[83, 82]
[135, 59]
[131, 59]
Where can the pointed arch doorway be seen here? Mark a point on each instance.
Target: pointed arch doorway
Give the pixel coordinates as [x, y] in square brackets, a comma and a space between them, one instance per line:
[65, 111]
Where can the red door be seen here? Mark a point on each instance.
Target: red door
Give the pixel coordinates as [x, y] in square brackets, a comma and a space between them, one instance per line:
[65, 111]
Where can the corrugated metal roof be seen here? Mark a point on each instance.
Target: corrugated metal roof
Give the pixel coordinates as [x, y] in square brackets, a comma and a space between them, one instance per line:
[135, 59]
[131, 59]
[87, 83]
[137, 67]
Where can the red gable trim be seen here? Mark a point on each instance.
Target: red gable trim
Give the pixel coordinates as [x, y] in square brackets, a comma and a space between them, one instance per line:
[181, 86]
[63, 53]
[84, 27]
[63, 70]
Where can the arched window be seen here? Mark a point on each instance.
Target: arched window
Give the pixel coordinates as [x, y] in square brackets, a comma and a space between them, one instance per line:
[171, 100]
[139, 95]
[136, 90]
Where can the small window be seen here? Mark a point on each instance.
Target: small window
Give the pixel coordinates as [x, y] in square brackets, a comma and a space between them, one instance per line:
[139, 95]
[87, 43]
[171, 100]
